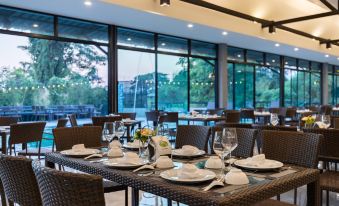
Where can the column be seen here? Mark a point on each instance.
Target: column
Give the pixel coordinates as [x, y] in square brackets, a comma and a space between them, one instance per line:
[222, 92]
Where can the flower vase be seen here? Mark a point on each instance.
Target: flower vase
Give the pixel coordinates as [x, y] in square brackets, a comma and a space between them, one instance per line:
[143, 150]
[308, 126]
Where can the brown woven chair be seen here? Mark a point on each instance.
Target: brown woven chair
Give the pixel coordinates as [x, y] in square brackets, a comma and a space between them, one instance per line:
[336, 123]
[2, 194]
[291, 116]
[68, 189]
[100, 120]
[246, 139]
[247, 114]
[325, 109]
[19, 181]
[168, 118]
[128, 115]
[73, 120]
[7, 121]
[232, 116]
[194, 135]
[328, 153]
[90, 136]
[261, 128]
[24, 133]
[152, 116]
[234, 125]
[62, 123]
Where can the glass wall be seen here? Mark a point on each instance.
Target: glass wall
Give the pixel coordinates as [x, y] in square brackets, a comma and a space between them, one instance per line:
[333, 85]
[267, 86]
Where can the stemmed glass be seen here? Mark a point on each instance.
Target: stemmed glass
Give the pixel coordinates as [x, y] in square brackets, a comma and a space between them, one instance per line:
[108, 131]
[119, 130]
[224, 143]
[326, 120]
[274, 119]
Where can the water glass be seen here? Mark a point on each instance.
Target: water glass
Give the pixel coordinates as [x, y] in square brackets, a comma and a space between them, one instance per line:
[326, 120]
[274, 119]
[108, 131]
[119, 130]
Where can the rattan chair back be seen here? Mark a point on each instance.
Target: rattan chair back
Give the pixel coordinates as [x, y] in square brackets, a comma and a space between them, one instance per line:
[152, 116]
[232, 116]
[100, 120]
[234, 125]
[325, 109]
[296, 148]
[19, 181]
[246, 139]
[7, 121]
[336, 123]
[66, 137]
[73, 120]
[247, 114]
[68, 189]
[274, 110]
[62, 122]
[194, 135]
[171, 117]
[128, 115]
[291, 113]
[26, 132]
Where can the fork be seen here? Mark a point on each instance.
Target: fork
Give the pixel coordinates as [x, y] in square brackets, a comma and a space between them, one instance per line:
[219, 181]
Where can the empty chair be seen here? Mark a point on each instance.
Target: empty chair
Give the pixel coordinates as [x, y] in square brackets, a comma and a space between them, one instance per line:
[194, 135]
[90, 136]
[234, 125]
[24, 133]
[73, 120]
[291, 116]
[313, 108]
[282, 115]
[19, 182]
[152, 116]
[247, 114]
[325, 109]
[62, 122]
[128, 115]
[100, 120]
[328, 153]
[214, 111]
[246, 139]
[68, 189]
[274, 110]
[336, 123]
[167, 119]
[232, 116]
[261, 128]
[7, 121]
[2, 194]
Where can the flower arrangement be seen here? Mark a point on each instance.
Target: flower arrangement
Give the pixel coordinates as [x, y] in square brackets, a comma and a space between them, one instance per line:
[309, 120]
[144, 134]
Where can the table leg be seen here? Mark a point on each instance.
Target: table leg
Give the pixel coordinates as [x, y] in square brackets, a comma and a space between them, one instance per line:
[205, 123]
[313, 194]
[4, 143]
[135, 197]
[49, 164]
[128, 136]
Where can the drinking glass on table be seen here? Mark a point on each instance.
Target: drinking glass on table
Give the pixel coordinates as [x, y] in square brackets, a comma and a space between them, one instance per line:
[326, 120]
[108, 131]
[274, 119]
[119, 130]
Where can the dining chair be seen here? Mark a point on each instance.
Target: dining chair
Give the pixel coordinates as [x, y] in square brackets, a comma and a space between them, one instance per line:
[291, 116]
[329, 153]
[336, 123]
[247, 114]
[194, 135]
[68, 189]
[19, 182]
[152, 116]
[234, 125]
[246, 139]
[7, 121]
[296, 148]
[62, 122]
[25, 133]
[232, 116]
[128, 115]
[73, 120]
[170, 122]
[90, 136]
[2, 194]
[100, 120]
[261, 128]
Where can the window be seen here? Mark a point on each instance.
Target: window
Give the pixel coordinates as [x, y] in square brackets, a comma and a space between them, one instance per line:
[136, 82]
[172, 44]
[172, 83]
[137, 39]
[273, 60]
[267, 93]
[24, 21]
[235, 54]
[254, 57]
[291, 87]
[83, 30]
[203, 49]
[230, 82]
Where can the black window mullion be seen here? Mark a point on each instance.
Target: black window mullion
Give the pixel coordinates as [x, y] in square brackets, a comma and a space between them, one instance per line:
[156, 72]
[189, 42]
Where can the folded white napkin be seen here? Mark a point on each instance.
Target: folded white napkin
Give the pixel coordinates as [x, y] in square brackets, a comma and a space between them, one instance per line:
[162, 146]
[255, 161]
[322, 125]
[115, 152]
[129, 158]
[189, 171]
[189, 150]
[78, 147]
[114, 144]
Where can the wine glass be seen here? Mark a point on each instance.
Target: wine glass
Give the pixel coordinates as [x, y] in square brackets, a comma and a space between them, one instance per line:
[119, 130]
[274, 119]
[326, 120]
[231, 139]
[108, 131]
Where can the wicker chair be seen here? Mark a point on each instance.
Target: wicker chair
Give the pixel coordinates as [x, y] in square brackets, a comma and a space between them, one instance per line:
[90, 136]
[234, 125]
[325, 109]
[232, 116]
[19, 181]
[2, 194]
[329, 153]
[291, 116]
[247, 114]
[152, 116]
[336, 123]
[68, 189]
[246, 139]
[62, 122]
[170, 117]
[73, 120]
[26, 133]
[100, 120]
[7, 121]
[194, 135]
[128, 115]
[261, 128]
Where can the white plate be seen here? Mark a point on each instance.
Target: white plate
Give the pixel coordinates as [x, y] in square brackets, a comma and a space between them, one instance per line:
[173, 175]
[81, 153]
[178, 153]
[267, 165]
[117, 164]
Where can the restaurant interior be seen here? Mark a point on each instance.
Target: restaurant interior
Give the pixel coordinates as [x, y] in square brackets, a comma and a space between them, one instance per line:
[169, 102]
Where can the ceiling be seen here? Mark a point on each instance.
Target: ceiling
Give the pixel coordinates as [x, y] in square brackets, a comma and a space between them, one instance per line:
[208, 24]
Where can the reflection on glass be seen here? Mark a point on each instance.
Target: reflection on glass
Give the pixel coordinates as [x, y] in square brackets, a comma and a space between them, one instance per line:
[172, 83]
[172, 44]
[230, 82]
[133, 38]
[136, 82]
[202, 84]
[267, 93]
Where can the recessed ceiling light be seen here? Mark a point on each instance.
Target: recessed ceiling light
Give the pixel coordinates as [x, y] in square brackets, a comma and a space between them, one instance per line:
[88, 3]
[35, 25]
[296, 49]
[224, 33]
[255, 22]
[273, 60]
[286, 62]
[313, 39]
[238, 55]
[163, 44]
[165, 2]
[277, 45]
[190, 25]
[337, 58]
[326, 55]
[129, 39]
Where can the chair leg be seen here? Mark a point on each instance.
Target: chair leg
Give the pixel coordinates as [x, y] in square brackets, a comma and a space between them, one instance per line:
[169, 202]
[10, 203]
[126, 196]
[295, 196]
[327, 198]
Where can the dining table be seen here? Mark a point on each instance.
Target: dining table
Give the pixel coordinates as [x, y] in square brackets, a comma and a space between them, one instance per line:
[264, 116]
[262, 186]
[129, 124]
[4, 132]
[206, 119]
